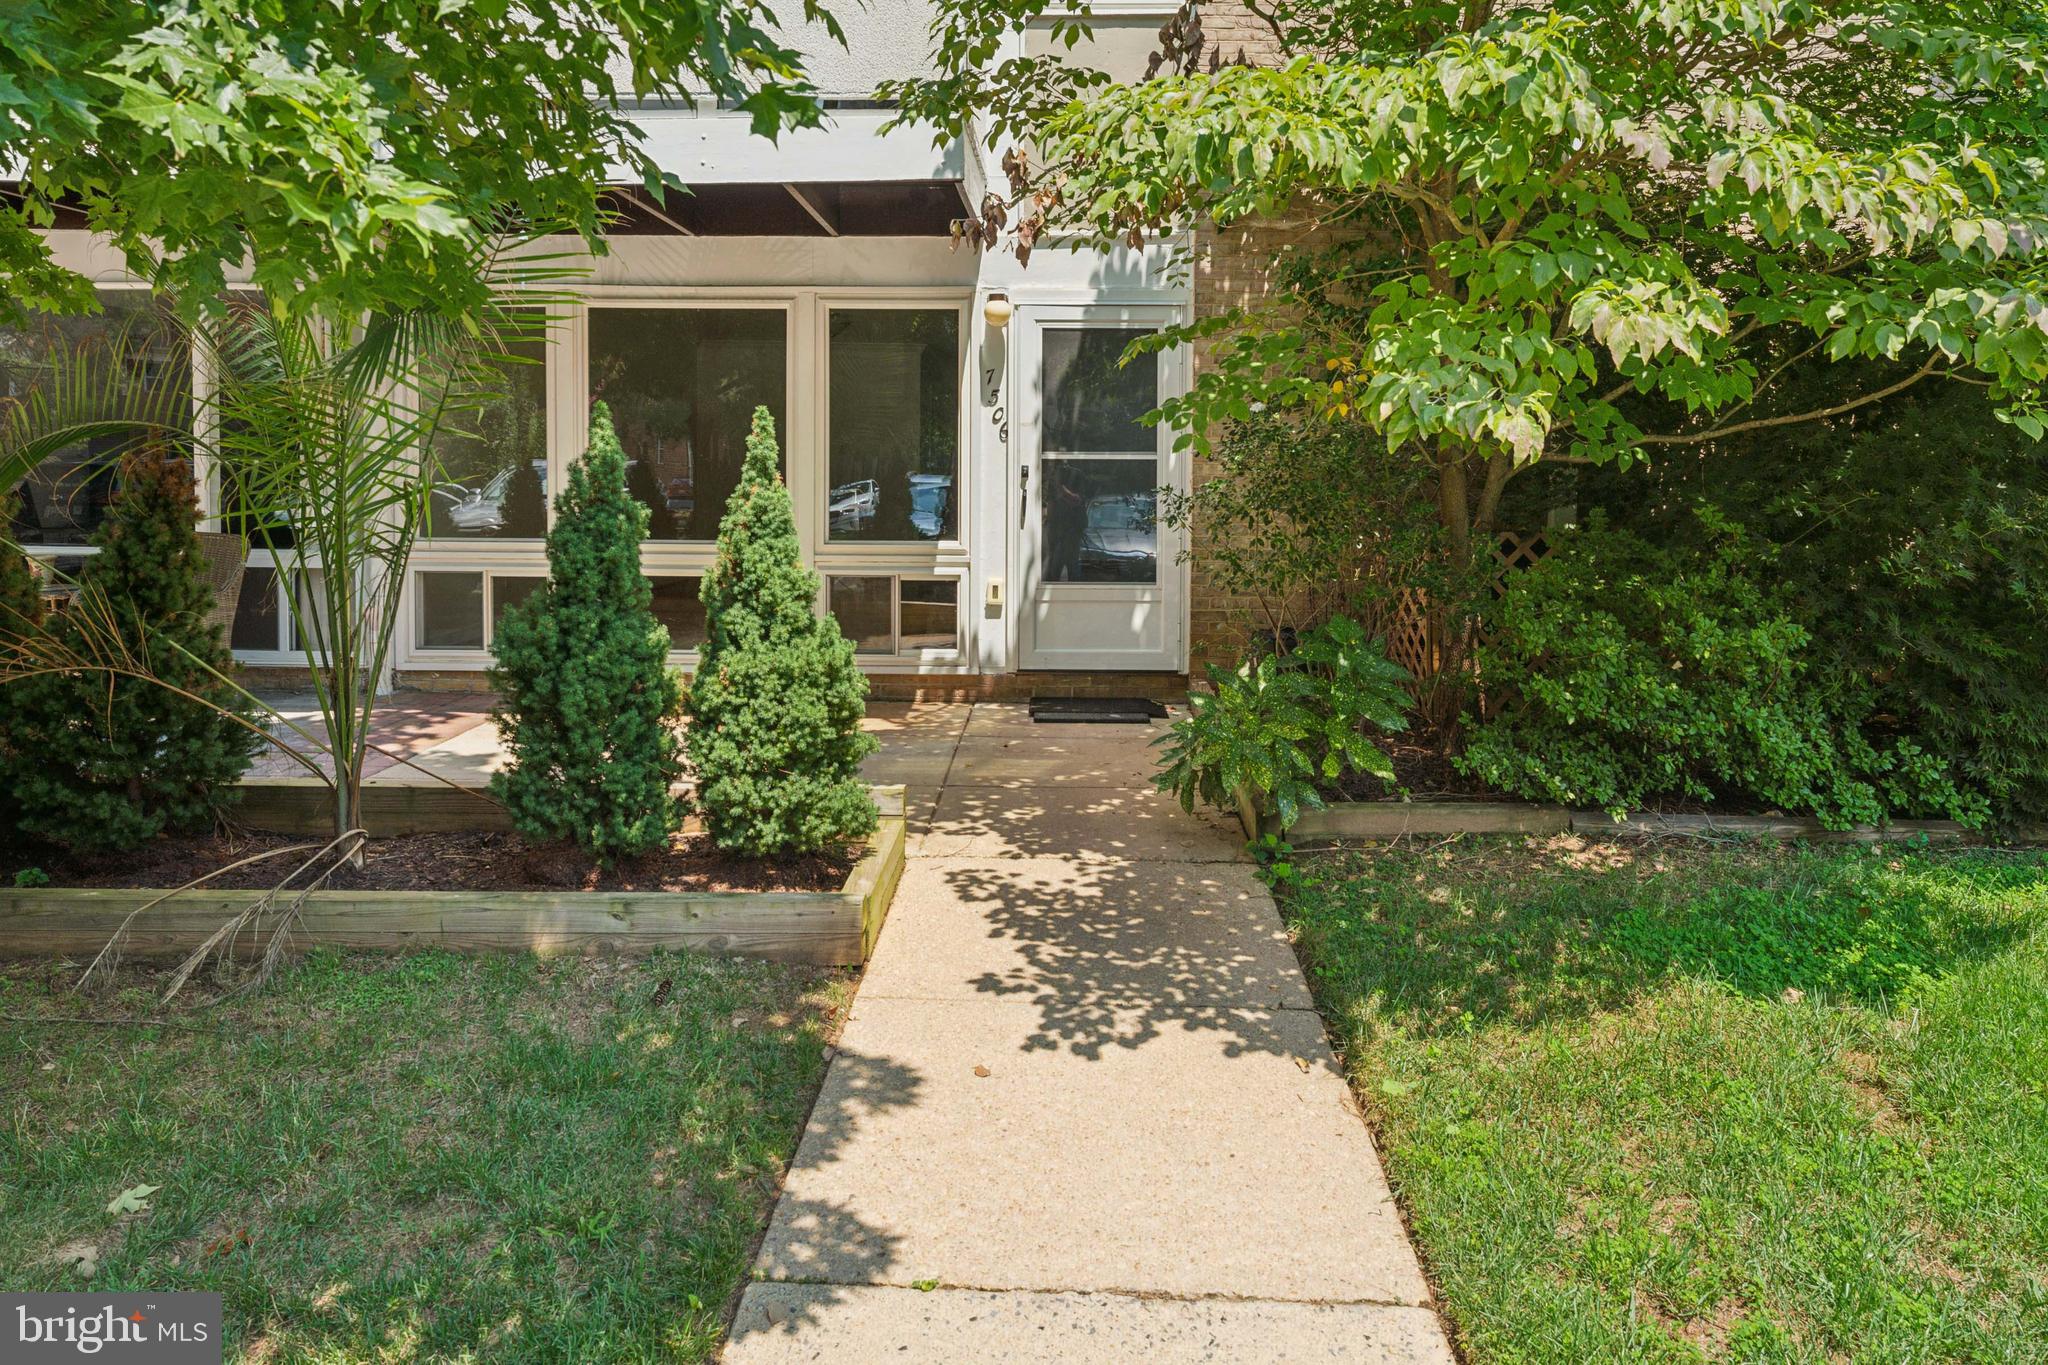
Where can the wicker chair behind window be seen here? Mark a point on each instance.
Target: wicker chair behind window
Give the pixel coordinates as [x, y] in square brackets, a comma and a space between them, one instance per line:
[223, 555]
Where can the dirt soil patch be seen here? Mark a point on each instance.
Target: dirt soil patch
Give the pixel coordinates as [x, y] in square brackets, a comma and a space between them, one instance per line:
[1422, 770]
[465, 861]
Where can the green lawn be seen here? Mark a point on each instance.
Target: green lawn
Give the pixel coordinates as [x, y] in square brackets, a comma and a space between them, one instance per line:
[1688, 1103]
[427, 1157]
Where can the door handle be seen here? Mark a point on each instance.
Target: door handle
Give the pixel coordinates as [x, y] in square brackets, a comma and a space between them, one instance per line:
[1023, 492]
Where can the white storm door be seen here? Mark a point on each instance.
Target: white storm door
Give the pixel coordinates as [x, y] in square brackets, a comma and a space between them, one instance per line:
[1100, 577]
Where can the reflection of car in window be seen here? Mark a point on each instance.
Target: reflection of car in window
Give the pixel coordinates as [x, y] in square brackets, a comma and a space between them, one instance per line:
[931, 504]
[680, 495]
[1121, 537]
[854, 504]
[481, 510]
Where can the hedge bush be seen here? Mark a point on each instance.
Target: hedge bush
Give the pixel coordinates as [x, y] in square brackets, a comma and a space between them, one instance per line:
[1909, 539]
[1634, 673]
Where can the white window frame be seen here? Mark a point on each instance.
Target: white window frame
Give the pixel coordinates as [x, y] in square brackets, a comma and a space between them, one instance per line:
[416, 608]
[283, 568]
[806, 451]
[901, 659]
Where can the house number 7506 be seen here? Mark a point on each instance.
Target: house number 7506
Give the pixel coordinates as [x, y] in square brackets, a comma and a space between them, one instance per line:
[992, 390]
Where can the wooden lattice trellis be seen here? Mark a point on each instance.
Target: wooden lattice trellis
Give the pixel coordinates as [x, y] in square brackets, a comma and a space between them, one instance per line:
[1416, 639]
[1518, 552]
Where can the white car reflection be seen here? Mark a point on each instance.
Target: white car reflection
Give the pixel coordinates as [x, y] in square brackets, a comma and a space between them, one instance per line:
[1122, 533]
[481, 510]
[931, 498]
[854, 504]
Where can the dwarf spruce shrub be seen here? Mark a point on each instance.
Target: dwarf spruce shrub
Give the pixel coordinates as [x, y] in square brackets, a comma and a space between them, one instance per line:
[21, 610]
[776, 705]
[587, 702]
[99, 760]
[21, 618]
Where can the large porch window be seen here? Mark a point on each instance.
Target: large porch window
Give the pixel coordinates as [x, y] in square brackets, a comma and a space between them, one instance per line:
[64, 501]
[682, 384]
[894, 424]
[867, 391]
[865, 387]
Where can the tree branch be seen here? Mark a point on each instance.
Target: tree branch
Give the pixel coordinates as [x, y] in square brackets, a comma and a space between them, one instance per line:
[1498, 468]
[1790, 419]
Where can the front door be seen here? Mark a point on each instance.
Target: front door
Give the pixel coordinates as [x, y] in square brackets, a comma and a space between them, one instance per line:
[1100, 576]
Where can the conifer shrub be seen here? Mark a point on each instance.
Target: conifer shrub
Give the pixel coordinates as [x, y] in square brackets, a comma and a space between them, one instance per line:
[587, 702]
[777, 701]
[21, 606]
[21, 618]
[101, 761]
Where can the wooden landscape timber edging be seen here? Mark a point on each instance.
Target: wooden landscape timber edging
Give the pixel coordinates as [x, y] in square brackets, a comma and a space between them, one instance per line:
[1391, 819]
[1649, 825]
[1380, 820]
[809, 928]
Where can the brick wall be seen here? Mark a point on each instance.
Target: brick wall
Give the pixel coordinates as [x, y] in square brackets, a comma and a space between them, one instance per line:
[1232, 269]
[1238, 34]
[1233, 266]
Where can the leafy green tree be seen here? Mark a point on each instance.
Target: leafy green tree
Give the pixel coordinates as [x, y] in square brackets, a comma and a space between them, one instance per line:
[776, 704]
[1590, 230]
[588, 704]
[103, 760]
[351, 150]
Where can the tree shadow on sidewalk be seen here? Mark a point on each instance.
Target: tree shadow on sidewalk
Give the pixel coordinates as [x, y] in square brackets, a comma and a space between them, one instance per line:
[1080, 822]
[817, 1241]
[1113, 954]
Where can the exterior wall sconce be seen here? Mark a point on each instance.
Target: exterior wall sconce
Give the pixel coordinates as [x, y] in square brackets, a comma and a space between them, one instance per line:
[996, 310]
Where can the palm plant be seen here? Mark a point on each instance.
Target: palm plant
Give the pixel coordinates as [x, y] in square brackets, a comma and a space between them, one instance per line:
[323, 424]
[96, 393]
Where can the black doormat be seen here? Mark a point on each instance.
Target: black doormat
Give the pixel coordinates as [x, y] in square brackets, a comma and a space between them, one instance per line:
[1097, 710]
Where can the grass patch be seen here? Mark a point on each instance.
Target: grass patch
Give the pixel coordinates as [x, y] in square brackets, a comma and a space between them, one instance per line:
[423, 1157]
[1684, 1103]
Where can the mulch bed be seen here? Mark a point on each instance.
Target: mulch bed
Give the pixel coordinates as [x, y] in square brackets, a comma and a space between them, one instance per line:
[449, 862]
[1421, 769]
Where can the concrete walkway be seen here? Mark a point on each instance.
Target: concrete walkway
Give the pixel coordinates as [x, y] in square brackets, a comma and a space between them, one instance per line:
[1082, 1109]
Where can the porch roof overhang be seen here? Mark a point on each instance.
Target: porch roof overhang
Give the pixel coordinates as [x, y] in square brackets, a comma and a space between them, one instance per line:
[850, 177]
